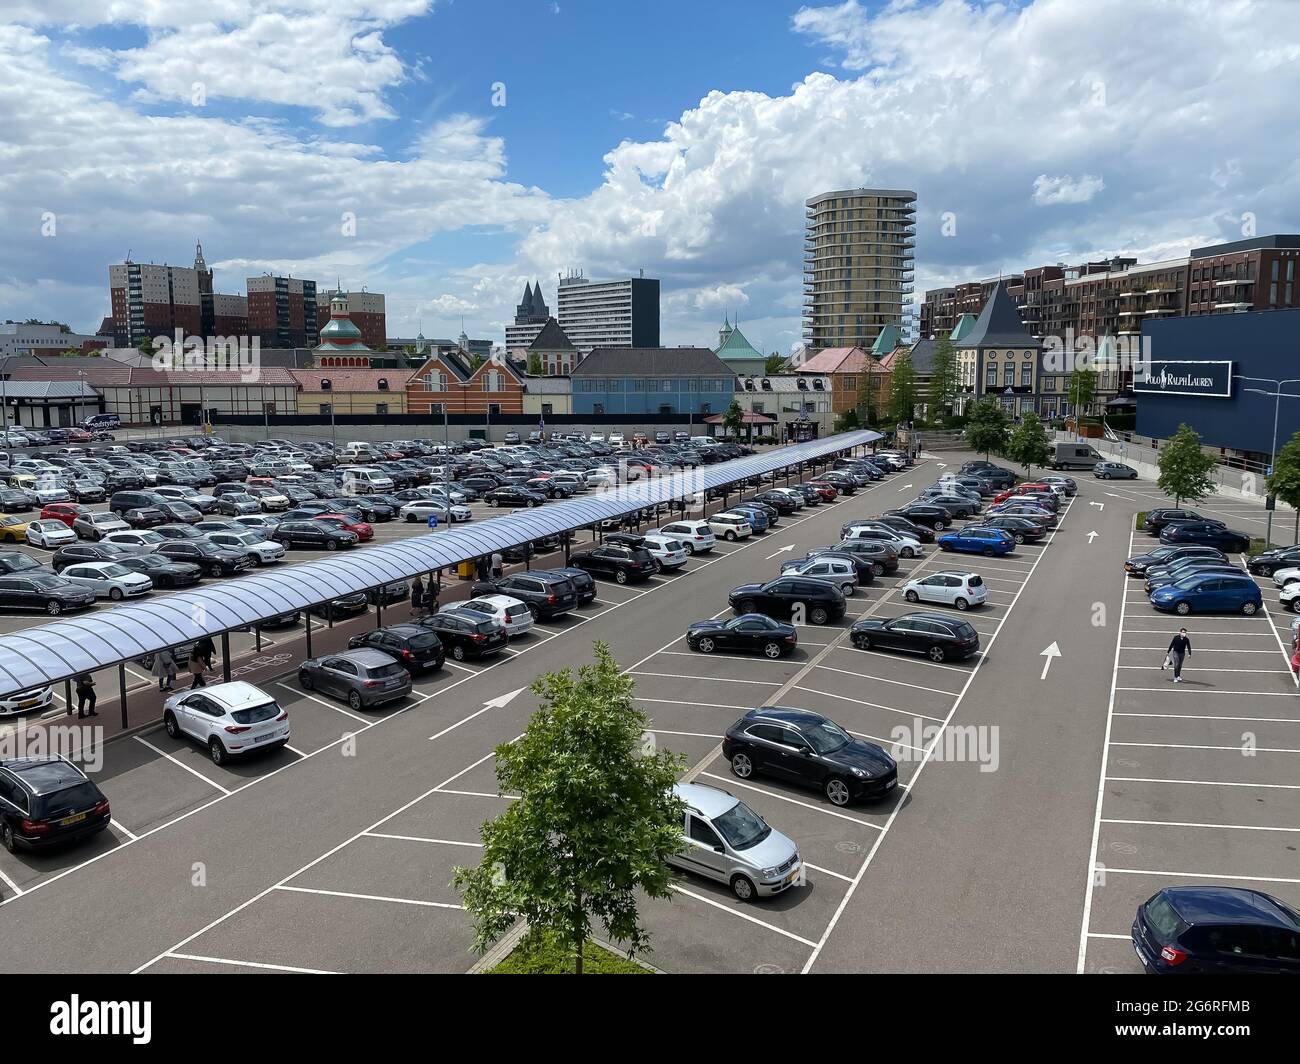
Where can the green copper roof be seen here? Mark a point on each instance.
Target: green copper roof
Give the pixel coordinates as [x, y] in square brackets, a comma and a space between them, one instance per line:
[735, 348]
[890, 337]
[964, 325]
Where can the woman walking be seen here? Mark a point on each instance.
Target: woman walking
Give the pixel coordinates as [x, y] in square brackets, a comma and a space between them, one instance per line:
[417, 595]
[164, 667]
[1179, 648]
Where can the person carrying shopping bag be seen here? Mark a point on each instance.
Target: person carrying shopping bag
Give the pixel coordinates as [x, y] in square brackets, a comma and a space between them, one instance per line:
[164, 668]
[1180, 647]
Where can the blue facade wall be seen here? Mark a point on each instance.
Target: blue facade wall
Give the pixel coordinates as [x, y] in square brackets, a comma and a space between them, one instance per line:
[1259, 344]
[647, 395]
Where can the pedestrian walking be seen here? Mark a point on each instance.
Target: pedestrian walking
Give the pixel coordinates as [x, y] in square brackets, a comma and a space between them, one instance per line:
[1180, 647]
[417, 595]
[481, 566]
[498, 565]
[85, 696]
[196, 671]
[164, 668]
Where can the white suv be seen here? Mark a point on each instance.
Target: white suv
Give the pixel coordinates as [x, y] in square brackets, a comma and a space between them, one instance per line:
[950, 588]
[227, 718]
[696, 536]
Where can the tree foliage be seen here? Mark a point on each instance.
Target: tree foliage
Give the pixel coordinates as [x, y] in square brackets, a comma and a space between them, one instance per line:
[593, 824]
[1028, 445]
[1185, 468]
[1284, 481]
[988, 427]
[902, 388]
[1081, 390]
[773, 364]
[734, 419]
[944, 383]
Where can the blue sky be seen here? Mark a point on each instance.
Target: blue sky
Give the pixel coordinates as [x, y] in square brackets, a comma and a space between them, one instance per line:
[677, 137]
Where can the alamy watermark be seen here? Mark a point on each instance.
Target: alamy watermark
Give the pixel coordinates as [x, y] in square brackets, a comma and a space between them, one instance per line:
[198, 354]
[975, 743]
[1086, 351]
[82, 744]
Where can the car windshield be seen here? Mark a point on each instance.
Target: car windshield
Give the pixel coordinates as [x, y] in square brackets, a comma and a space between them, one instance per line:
[48, 582]
[827, 737]
[115, 570]
[17, 563]
[741, 827]
[256, 714]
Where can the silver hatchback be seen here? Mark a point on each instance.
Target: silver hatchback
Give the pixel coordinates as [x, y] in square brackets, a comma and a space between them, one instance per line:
[726, 841]
[363, 678]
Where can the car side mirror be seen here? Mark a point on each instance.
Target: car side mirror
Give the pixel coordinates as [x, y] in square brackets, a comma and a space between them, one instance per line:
[718, 849]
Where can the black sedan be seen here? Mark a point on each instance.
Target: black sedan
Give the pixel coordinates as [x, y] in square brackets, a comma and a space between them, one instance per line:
[754, 633]
[213, 560]
[1206, 534]
[930, 515]
[314, 534]
[782, 503]
[345, 606]
[625, 564]
[88, 552]
[43, 591]
[163, 571]
[817, 601]
[1167, 554]
[416, 647]
[1024, 529]
[174, 510]
[1269, 561]
[513, 495]
[800, 746]
[936, 635]
[905, 525]
[150, 516]
[466, 633]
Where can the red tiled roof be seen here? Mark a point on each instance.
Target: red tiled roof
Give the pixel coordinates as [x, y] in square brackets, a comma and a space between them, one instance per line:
[840, 360]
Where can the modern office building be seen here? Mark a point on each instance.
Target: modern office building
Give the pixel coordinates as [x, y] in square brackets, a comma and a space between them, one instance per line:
[622, 313]
[365, 310]
[858, 265]
[229, 316]
[282, 311]
[530, 315]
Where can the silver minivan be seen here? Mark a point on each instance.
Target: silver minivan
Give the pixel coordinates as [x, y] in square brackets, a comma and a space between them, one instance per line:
[726, 841]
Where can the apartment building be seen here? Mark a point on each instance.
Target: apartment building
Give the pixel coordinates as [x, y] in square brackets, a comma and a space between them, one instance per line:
[858, 265]
[622, 313]
[282, 311]
[149, 300]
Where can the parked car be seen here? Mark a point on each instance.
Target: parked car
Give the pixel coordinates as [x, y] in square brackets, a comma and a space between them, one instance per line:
[668, 553]
[1198, 930]
[363, 677]
[730, 527]
[1114, 471]
[213, 560]
[1163, 577]
[625, 564]
[545, 592]
[94, 526]
[696, 536]
[818, 601]
[46, 802]
[754, 633]
[263, 551]
[1266, 563]
[49, 534]
[1021, 529]
[800, 746]
[466, 633]
[510, 613]
[163, 571]
[1157, 518]
[43, 591]
[87, 552]
[511, 495]
[883, 556]
[839, 571]
[35, 701]
[935, 635]
[872, 531]
[108, 580]
[863, 566]
[928, 513]
[314, 534]
[229, 719]
[906, 527]
[978, 540]
[1206, 534]
[952, 587]
[1210, 593]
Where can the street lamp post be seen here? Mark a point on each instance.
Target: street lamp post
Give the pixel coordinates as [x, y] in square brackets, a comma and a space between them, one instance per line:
[1277, 397]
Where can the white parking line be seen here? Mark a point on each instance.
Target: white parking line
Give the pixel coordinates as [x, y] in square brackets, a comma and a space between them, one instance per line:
[371, 897]
[693, 734]
[1190, 824]
[1197, 875]
[885, 679]
[321, 701]
[1234, 749]
[250, 964]
[1206, 783]
[421, 838]
[914, 661]
[117, 825]
[10, 883]
[732, 781]
[1211, 716]
[719, 679]
[742, 915]
[861, 702]
[1215, 671]
[827, 872]
[181, 765]
[1171, 689]
[692, 705]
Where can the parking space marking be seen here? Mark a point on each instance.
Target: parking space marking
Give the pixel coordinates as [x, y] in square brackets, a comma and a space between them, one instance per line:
[461, 668]
[691, 705]
[828, 872]
[371, 897]
[477, 794]
[793, 801]
[744, 916]
[1199, 875]
[1209, 716]
[421, 838]
[1193, 746]
[10, 884]
[690, 734]
[861, 702]
[249, 964]
[117, 825]
[915, 661]
[716, 679]
[756, 659]
[1205, 783]
[181, 765]
[884, 679]
[294, 750]
[1188, 824]
[321, 702]
[1171, 689]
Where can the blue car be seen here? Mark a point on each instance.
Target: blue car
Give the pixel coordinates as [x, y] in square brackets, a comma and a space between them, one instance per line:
[1210, 593]
[758, 519]
[975, 539]
[1229, 930]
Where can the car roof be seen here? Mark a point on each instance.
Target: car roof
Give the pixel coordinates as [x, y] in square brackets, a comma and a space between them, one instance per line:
[798, 718]
[1226, 905]
[498, 600]
[44, 775]
[238, 694]
[711, 801]
[365, 656]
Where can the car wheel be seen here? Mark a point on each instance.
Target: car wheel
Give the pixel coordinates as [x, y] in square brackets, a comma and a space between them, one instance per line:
[877, 569]
[169, 722]
[305, 681]
[620, 577]
[1249, 609]
[743, 888]
[537, 614]
[53, 608]
[911, 596]
[837, 791]
[742, 766]
[216, 751]
[690, 549]
[705, 645]
[936, 654]
[945, 546]
[458, 652]
[1105, 476]
[773, 650]
[354, 699]
[1265, 570]
[7, 836]
[962, 604]
[861, 641]
[115, 593]
[847, 589]
[730, 537]
[1020, 537]
[1183, 608]
[331, 544]
[818, 615]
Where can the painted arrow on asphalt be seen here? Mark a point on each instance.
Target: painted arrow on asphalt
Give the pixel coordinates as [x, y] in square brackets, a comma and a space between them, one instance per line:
[1099, 505]
[1092, 535]
[1112, 495]
[781, 551]
[500, 702]
[1051, 652]
[905, 487]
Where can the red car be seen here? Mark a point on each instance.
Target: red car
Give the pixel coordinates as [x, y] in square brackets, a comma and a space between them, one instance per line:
[363, 529]
[825, 489]
[67, 512]
[79, 436]
[1003, 496]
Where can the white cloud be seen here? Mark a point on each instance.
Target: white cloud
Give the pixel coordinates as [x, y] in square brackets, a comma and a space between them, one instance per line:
[1049, 191]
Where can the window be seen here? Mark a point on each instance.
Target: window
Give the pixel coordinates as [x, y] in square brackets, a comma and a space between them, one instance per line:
[327, 408]
[991, 378]
[1009, 375]
[1026, 375]
[850, 383]
[381, 408]
[435, 408]
[494, 409]
[666, 385]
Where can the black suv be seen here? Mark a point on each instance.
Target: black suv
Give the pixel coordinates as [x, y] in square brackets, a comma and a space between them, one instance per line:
[545, 593]
[313, 534]
[1157, 519]
[936, 635]
[804, 747]
[466, 633]
[88, 552]
[47, 801]
[416, 647]
[928, 514]
[821, 602]
[513, 495]
[625, 564]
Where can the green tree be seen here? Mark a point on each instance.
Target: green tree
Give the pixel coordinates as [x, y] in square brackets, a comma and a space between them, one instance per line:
[594, 822]
[988, 426]
[902, 389]
[1185, 468]
[145, 346]
[865, 402]
[475, 361]
[1284, 481]
[944, 383]
[535, 364]
[1081, 391]
[734, 419]
[1028, 445]
[773, 364]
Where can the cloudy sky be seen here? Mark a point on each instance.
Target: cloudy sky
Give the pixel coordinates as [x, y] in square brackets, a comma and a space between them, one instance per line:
[446, 151]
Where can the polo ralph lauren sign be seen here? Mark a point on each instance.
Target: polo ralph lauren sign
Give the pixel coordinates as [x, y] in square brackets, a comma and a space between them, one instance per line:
[1209, 380]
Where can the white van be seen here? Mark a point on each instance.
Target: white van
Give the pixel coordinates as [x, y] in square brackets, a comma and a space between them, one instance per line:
[365, 480]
